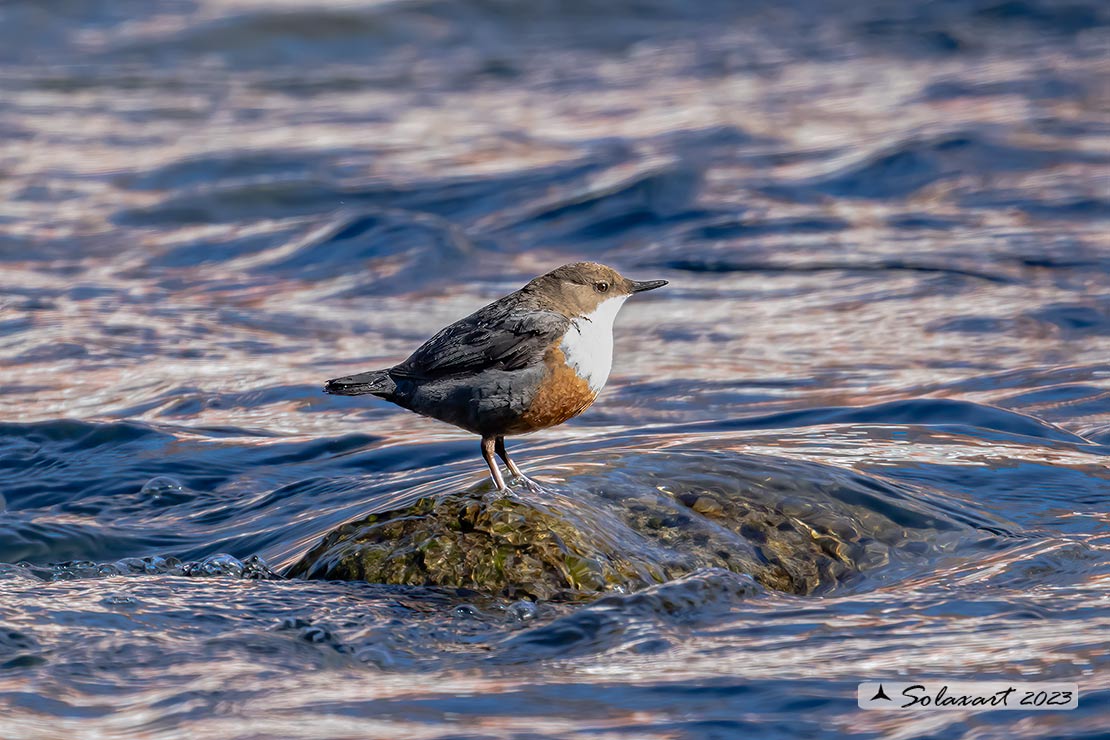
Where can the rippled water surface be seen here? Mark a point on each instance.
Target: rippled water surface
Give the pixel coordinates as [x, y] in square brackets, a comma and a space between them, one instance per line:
[862, 435]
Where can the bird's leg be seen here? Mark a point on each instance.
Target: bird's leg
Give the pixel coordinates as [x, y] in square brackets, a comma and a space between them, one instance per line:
[504, 455]
[500, 447]
[488, 445]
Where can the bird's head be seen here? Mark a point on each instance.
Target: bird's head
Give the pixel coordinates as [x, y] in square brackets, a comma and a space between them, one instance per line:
[584, 288]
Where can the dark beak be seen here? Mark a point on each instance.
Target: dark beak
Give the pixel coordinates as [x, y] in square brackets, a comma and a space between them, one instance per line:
[639, 286]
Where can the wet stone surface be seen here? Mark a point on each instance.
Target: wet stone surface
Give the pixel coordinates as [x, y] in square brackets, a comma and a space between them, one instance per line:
[795, 527]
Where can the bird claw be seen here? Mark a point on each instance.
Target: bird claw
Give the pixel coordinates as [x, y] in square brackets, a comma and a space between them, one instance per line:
[530, 484]
[518, 481]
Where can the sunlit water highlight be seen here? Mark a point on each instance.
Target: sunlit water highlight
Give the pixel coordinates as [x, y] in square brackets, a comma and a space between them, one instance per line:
[885, 229]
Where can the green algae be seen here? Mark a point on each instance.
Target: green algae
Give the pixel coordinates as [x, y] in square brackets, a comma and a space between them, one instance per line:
[795, 527]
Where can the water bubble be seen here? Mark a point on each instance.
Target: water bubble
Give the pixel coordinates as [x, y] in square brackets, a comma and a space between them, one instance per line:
[150, 565]
[79, 569]
[466, 611]
[166, 565]
[258, 569]
[220, 564]
[130, 566]
[522, 611]
[74, 569]
[164, 490]
[161, 484]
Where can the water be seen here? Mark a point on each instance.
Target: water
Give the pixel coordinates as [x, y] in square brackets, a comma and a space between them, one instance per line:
[885, 343]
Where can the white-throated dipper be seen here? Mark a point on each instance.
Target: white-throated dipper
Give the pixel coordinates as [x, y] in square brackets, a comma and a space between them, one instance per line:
[528, 361]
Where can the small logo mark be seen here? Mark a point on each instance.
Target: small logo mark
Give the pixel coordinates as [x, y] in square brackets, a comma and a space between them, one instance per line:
[966, 695]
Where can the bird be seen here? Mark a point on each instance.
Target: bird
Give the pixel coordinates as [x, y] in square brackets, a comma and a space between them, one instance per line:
[528, 361]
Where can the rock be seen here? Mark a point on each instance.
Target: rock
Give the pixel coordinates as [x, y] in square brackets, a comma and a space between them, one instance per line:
[793, 526]
[529, 544]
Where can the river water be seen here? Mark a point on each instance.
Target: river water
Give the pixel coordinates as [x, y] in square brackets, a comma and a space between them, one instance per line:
[885, 227]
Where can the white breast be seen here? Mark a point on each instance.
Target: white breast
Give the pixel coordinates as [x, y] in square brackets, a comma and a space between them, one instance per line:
[588, 344]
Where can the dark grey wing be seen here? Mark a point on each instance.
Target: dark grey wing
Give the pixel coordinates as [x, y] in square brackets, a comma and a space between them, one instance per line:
[494, 338]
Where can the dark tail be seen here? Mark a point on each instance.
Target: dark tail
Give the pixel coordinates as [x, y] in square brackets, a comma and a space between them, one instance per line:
[376, 382]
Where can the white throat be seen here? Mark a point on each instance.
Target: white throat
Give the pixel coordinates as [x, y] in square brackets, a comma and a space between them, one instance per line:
[588, 344]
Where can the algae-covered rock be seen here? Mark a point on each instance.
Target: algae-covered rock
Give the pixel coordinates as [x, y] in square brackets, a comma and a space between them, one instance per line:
[524, 544]
[793, 526]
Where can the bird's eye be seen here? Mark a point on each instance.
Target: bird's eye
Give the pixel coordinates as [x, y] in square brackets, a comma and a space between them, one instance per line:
[601, 287]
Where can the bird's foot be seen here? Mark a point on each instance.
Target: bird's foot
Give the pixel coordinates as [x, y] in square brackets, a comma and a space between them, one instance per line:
[516, 483]
[528, 483]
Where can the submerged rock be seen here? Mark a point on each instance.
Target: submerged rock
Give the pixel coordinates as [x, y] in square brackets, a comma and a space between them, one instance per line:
[638, 621]
[793, 526]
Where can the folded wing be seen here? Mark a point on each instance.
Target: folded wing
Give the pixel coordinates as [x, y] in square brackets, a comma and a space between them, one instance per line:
[497, 337]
